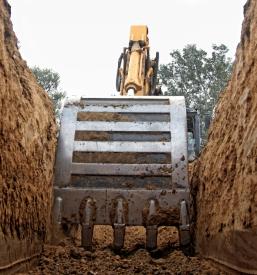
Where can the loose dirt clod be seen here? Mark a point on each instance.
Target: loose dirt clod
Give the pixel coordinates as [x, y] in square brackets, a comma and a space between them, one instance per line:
[103, 117]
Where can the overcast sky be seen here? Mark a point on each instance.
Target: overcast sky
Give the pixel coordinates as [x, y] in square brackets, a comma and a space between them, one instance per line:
[83, 39]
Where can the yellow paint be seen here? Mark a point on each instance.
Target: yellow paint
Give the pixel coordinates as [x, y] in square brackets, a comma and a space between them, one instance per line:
[135, 77]
[139, 33]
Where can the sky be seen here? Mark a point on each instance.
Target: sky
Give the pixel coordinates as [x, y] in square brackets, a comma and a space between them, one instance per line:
[82, 39]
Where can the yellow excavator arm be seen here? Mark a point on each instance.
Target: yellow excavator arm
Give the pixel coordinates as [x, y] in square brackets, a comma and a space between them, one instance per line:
[137, 73]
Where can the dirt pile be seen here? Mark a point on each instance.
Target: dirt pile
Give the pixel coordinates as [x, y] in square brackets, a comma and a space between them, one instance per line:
[27, 142]
[224, 179]
[69, 258]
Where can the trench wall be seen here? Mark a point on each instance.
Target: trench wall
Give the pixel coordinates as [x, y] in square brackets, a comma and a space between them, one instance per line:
[27, 149]
[224, 179]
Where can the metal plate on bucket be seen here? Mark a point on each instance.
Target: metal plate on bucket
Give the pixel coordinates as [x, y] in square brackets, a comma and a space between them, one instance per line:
[132, 148]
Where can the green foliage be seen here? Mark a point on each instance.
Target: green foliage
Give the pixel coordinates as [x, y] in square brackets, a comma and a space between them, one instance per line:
[198, 77]
[50, 82]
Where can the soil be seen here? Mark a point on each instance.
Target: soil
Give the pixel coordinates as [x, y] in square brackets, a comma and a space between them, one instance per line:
[92, 136]
[27, 142]
[82, 116]
[224, 178]
[68, 258]
[170, 216]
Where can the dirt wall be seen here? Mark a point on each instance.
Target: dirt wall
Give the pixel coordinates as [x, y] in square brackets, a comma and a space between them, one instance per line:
[27, 148]
[224, 179]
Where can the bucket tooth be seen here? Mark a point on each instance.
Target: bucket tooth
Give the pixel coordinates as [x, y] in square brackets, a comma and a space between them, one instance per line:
[118, 236]
[151, 229]
[87, 224]
[57, 220]
[151, 237]
[184, 229]
[57, 212]
[119, 225]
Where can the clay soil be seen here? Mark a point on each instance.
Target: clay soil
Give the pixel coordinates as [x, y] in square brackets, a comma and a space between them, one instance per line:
[224, 178]
[69, 258]
[27, 151]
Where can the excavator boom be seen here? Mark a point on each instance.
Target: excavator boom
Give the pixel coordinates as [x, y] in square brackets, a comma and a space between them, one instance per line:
[137, 73]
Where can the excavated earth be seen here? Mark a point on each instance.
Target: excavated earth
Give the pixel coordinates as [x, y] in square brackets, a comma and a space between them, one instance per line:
[69, 258]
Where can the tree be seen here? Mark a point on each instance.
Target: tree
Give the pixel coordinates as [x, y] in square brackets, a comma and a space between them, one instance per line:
[50, 82]
[198, 77]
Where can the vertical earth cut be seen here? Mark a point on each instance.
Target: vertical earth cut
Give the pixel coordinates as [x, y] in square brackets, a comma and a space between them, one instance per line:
[27, 149]
[224, 179]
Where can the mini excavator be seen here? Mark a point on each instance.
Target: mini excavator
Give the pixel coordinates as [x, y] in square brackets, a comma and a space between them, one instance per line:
[122, 161]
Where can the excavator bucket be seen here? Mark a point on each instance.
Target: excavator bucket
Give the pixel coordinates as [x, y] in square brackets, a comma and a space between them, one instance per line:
[122, 161]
